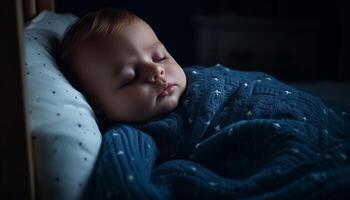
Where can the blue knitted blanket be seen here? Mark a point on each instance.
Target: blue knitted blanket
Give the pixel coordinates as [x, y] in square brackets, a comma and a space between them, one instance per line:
[235, 135]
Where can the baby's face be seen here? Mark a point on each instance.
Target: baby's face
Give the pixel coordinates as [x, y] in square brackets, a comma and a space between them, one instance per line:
[130, 76]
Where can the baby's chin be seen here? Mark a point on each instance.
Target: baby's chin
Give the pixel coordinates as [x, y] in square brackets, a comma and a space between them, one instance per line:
[159, 116]
[165, 110]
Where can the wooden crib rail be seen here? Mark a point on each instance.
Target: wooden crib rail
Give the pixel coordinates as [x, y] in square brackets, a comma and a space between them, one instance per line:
[16, 172]
[16, 164]
[32, 8]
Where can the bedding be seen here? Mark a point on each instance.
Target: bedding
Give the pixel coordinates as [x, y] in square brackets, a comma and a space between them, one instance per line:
[65, 136]
[236, 134]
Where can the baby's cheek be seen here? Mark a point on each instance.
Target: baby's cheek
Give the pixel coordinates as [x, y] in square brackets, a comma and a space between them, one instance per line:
[143, 101]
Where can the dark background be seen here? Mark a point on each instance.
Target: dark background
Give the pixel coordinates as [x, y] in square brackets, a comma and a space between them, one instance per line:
[175, 23]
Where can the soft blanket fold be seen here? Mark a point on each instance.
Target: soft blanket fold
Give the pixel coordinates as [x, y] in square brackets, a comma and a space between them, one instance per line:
[235, 135]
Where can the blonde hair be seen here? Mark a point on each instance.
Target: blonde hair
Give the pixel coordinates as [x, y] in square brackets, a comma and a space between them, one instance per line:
[95, 25]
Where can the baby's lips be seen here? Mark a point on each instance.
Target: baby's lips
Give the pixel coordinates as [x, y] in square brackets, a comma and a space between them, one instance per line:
[167, 90]
[161, 84]
[163, 87]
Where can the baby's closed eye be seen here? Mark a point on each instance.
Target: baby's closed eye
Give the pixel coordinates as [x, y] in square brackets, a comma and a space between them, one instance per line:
[158, 57]
[127, 79]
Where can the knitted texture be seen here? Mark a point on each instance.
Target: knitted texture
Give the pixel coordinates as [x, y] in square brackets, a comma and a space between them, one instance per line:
[235, 135]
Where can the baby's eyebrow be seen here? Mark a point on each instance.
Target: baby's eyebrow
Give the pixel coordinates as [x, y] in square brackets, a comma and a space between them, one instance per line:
[155, 45]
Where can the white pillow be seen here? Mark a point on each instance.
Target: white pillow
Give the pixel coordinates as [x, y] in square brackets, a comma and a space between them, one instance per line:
[65, 135]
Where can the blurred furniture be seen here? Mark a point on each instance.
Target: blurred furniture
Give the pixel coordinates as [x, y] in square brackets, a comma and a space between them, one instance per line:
[285, 48]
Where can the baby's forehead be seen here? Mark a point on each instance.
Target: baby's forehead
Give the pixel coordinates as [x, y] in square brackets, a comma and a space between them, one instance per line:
[119, 45]
[133, 37]
[108, 48]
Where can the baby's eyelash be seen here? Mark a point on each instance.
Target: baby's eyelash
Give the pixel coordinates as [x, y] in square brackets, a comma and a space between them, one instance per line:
[128, 81]
[161, 58]
[123, 85]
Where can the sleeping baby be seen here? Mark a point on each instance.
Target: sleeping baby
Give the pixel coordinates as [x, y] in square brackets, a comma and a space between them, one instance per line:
[122, 67]
[194, 120]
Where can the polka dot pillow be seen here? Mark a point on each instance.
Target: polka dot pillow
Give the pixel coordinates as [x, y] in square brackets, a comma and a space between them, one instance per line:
[65, 136]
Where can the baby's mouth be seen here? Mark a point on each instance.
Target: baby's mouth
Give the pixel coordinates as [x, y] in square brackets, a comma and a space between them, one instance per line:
[167, 90]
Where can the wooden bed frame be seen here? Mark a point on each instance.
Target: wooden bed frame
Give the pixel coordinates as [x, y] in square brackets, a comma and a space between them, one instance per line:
[17, 169]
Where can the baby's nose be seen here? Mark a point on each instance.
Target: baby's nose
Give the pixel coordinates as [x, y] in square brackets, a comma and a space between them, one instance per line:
[155, 72]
